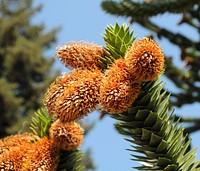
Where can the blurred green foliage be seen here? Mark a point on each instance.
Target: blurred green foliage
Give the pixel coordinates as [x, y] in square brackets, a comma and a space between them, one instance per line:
[25, 72]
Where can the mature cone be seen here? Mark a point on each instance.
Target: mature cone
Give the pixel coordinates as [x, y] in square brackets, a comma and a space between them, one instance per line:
[28, 155]
[56, 90]
[13, 150]
[145, 60]
[66, 136]
[42, 156]
[73, 96]
[82, 55]
[118, 89]
[8, 143]
[13, 158]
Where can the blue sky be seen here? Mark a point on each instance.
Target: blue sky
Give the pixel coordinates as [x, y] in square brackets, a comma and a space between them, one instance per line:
[85, 20]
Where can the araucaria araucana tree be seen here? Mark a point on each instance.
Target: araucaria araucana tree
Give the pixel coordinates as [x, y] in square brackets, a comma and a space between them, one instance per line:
[122, 78]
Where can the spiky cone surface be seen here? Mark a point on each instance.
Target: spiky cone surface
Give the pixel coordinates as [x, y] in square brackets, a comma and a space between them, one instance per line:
[66, 136]
[13, 158]
[56, 90]
[118, 89]
[82, 55]
[13, 150]
[145, 59]
[29, 155]
[159, 143]
[72, 100]
[8, 143]
[42, 156]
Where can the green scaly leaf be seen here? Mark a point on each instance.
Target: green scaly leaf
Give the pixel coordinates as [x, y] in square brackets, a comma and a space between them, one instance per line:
[71, 161]
[147, 123]
[118, 39]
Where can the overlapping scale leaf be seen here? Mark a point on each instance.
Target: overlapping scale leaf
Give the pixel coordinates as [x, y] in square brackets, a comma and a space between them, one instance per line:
[71, 161]
[153, 133]
[118, 39]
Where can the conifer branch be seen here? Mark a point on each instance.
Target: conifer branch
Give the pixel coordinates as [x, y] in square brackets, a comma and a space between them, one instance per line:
[175, 38]
[132, 9]
[187, 119]
[150, 128]
[187, 18]
[146, 8]
[183, 81]
[71, 161]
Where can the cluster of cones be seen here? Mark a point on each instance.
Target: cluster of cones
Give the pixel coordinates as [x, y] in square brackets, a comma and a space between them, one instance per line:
[75, 95]
[29, 152]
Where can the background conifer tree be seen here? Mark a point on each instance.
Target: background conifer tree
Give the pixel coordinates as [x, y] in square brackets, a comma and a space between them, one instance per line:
[25, 72]
[185, 79]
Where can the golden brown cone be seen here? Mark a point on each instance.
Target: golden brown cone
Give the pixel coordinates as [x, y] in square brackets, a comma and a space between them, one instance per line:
[29, 155]
[42, 156]
[56, 90]
[12, 159]
[8, 143]
[145, 60]
[66, 136]
[118, 89]
[82, 55]
[13, 150]
[72, 100]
